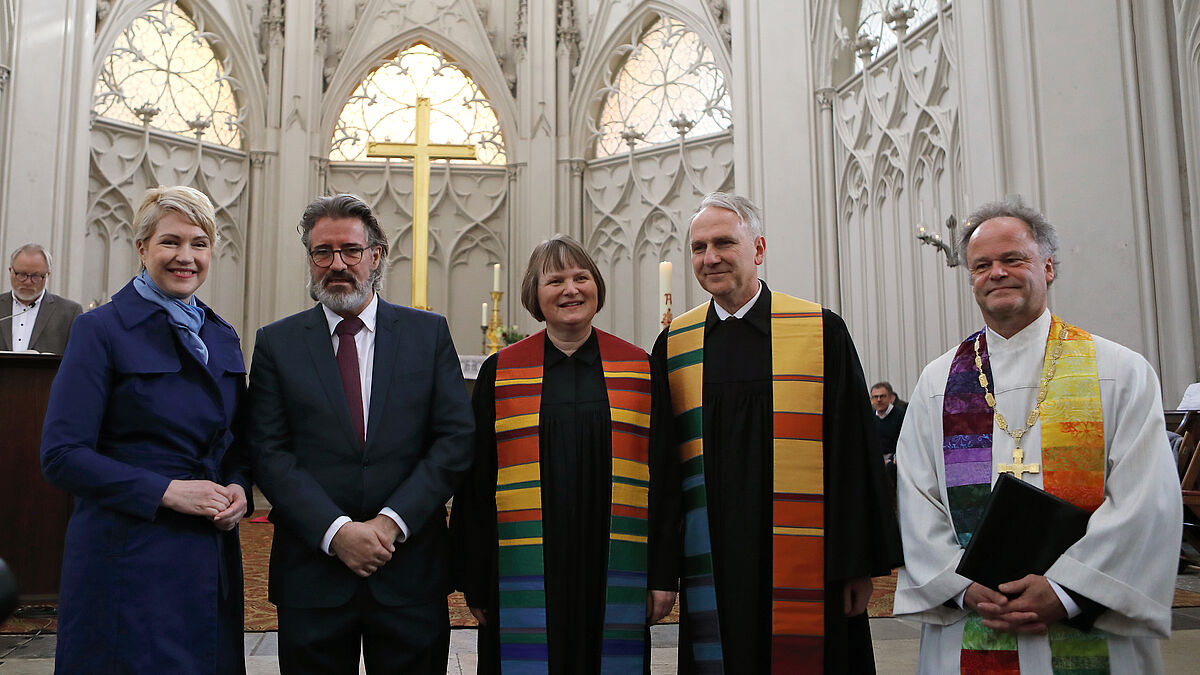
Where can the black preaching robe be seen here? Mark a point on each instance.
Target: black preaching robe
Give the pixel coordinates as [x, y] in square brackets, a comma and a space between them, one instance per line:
[575, 446]
[861, 535]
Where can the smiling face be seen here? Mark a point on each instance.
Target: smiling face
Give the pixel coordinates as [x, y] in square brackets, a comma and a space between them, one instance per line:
[725, 257]
[345, 289]
[1009, 276]
[27, 274]
[176, 255]
[567, 298]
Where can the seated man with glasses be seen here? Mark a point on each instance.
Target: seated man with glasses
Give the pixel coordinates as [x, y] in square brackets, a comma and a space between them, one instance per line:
[31, 318]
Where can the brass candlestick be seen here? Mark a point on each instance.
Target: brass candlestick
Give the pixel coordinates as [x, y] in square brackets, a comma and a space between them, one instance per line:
[494, 326]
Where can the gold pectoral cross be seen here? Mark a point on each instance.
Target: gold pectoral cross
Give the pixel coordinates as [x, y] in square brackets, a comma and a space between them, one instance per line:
[1017, 467]
[421, 152]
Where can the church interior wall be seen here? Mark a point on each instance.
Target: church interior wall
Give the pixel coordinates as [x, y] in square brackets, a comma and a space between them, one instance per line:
[7, 49]
[1075, 106]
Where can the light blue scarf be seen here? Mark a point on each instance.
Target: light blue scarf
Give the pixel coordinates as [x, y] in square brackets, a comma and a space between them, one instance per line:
[188, 317]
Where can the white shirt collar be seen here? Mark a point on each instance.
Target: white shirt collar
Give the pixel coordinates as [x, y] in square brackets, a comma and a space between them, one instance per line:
[1030, 336]
[885, 412]
[367, 315]
[741, 313]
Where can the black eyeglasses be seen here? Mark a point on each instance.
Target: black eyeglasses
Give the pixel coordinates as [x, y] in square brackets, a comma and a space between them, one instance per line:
[323, 257]
[37, 276]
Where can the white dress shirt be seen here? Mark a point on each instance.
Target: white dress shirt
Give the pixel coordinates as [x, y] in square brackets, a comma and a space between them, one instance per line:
[364, 342]
[741, 313]
[23, 318]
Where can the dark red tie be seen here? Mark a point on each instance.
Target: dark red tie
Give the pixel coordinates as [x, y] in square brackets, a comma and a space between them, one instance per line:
[347, 363]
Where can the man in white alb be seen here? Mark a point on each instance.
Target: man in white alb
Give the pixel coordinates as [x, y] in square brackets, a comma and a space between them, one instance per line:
[1072, 413]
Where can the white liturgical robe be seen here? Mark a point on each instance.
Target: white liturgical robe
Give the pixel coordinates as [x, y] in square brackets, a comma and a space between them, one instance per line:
[1126, 561]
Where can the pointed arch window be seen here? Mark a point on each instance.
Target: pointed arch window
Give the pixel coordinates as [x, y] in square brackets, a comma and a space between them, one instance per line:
[383, 108]
[669, 84]
[875, 15]
[162, 67]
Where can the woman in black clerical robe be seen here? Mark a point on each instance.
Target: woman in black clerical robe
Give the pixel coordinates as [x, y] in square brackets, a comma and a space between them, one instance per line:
[563, 287]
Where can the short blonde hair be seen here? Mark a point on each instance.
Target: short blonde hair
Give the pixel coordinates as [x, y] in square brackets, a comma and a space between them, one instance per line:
[193, 205]
[555, 254]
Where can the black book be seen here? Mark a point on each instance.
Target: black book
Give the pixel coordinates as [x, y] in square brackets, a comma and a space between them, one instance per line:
[1023, 531]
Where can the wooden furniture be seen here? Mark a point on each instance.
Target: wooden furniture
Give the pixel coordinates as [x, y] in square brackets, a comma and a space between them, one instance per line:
[33, 514]
[1188, 462]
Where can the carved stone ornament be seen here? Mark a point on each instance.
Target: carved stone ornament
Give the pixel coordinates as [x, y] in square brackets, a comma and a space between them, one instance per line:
[520, 38]
[146, 112]
[103, 7]
[865, 46]
[898, 17]
[825, 97]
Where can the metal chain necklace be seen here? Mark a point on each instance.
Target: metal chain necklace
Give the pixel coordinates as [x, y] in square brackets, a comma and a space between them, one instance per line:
[1018, 467]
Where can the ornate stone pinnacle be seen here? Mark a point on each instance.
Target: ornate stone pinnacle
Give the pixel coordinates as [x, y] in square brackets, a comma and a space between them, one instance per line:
[898, 17]
[682, 125]
[865, 46]
[199, 124]
[146, 112]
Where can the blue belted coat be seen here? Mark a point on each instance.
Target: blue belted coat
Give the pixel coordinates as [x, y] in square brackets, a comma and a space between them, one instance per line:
[145, 589]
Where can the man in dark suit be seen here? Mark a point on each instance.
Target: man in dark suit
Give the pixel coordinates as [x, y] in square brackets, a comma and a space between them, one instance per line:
[360, 430]
[889, 417]
[33, 318]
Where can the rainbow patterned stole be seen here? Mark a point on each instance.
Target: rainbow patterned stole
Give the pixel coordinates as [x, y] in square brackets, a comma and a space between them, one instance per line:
[1072, 429]
[523, 645]
[798, 519]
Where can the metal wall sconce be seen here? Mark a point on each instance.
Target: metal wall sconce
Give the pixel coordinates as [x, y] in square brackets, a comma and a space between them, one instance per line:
[953, 259]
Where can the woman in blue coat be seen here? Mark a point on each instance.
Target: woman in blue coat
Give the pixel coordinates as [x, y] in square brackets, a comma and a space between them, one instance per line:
[140, 429]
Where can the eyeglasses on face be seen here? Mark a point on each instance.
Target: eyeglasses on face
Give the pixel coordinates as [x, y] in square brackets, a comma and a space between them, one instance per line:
[323, 257]
[36, 276]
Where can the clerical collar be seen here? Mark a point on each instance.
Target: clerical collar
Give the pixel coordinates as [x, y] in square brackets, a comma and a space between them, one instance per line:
[1029, 337]
[741, 313]
[588, 352]
[753, 313]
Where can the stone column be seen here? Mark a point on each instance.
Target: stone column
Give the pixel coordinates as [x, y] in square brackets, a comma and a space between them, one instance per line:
[43, 197]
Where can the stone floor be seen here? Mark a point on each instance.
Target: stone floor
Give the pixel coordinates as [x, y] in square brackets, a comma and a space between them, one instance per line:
[896, 644]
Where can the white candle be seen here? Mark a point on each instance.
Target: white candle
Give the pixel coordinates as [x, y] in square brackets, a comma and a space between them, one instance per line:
[664, 287]
[496, 277]
[484, 320]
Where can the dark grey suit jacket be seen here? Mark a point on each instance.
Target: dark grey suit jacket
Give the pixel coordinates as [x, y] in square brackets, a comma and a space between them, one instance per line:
[312, 468]
[53, 325]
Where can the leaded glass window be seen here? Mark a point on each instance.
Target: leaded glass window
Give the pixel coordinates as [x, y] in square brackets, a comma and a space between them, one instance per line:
[163, 67]
[873, 21]
[669, 84]
[384, 108]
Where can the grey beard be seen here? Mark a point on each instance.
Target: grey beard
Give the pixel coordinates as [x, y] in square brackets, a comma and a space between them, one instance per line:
[339, 302]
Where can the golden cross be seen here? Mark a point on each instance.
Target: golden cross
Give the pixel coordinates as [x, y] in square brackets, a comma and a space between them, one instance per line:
[421, 152]
[1017, 468]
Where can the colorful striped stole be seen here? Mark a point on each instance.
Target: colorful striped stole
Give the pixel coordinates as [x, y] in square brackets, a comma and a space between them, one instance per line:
[1072, 429]
[523, 644]
[798, 519]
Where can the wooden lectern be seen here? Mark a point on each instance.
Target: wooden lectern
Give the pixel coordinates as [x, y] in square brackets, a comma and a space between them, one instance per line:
[33, 513]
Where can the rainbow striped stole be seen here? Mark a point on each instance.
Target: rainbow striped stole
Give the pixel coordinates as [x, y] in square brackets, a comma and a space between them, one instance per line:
[523, 644]
[1072, 429]
[798, 552]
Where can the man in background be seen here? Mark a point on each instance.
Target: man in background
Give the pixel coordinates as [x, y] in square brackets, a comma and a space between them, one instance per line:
[32, 318]
[889, 416]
